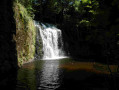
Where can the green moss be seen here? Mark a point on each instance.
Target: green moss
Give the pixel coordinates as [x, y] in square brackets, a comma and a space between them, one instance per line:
[25, 34]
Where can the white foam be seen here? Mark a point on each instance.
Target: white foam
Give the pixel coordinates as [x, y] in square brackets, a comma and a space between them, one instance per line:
[52, 42]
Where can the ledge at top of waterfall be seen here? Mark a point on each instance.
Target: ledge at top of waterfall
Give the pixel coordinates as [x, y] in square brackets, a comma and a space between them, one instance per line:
[52, 41]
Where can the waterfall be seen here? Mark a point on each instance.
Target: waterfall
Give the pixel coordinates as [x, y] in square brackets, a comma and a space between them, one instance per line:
[52, 41]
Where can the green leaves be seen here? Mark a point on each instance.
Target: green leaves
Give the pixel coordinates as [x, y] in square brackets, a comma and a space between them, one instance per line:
[28, 4]
[25, 33]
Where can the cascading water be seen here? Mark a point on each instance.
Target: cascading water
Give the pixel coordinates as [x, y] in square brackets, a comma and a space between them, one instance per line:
[52, 41]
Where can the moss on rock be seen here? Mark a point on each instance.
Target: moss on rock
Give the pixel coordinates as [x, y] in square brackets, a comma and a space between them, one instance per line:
[25, 34]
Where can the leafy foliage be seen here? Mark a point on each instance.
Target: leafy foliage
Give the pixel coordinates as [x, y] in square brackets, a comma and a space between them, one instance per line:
[90, 27]
[28, 4]
[25, 34]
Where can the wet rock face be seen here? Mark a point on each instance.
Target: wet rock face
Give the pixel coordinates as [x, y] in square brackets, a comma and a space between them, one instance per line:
[38, 46]
[8, 54]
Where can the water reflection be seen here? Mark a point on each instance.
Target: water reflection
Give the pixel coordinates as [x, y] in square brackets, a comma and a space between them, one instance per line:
[49, 75]
[66, 74]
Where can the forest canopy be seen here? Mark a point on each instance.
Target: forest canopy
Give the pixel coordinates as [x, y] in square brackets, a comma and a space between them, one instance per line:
[90, 27]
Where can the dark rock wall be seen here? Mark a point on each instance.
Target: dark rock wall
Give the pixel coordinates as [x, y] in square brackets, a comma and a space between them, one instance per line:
[38, 45]
[8, 54]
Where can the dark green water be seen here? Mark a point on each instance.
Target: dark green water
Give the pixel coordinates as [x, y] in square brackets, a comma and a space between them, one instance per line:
[64, 74]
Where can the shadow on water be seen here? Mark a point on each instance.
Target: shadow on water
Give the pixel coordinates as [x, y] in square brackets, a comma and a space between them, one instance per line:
[66, 74]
